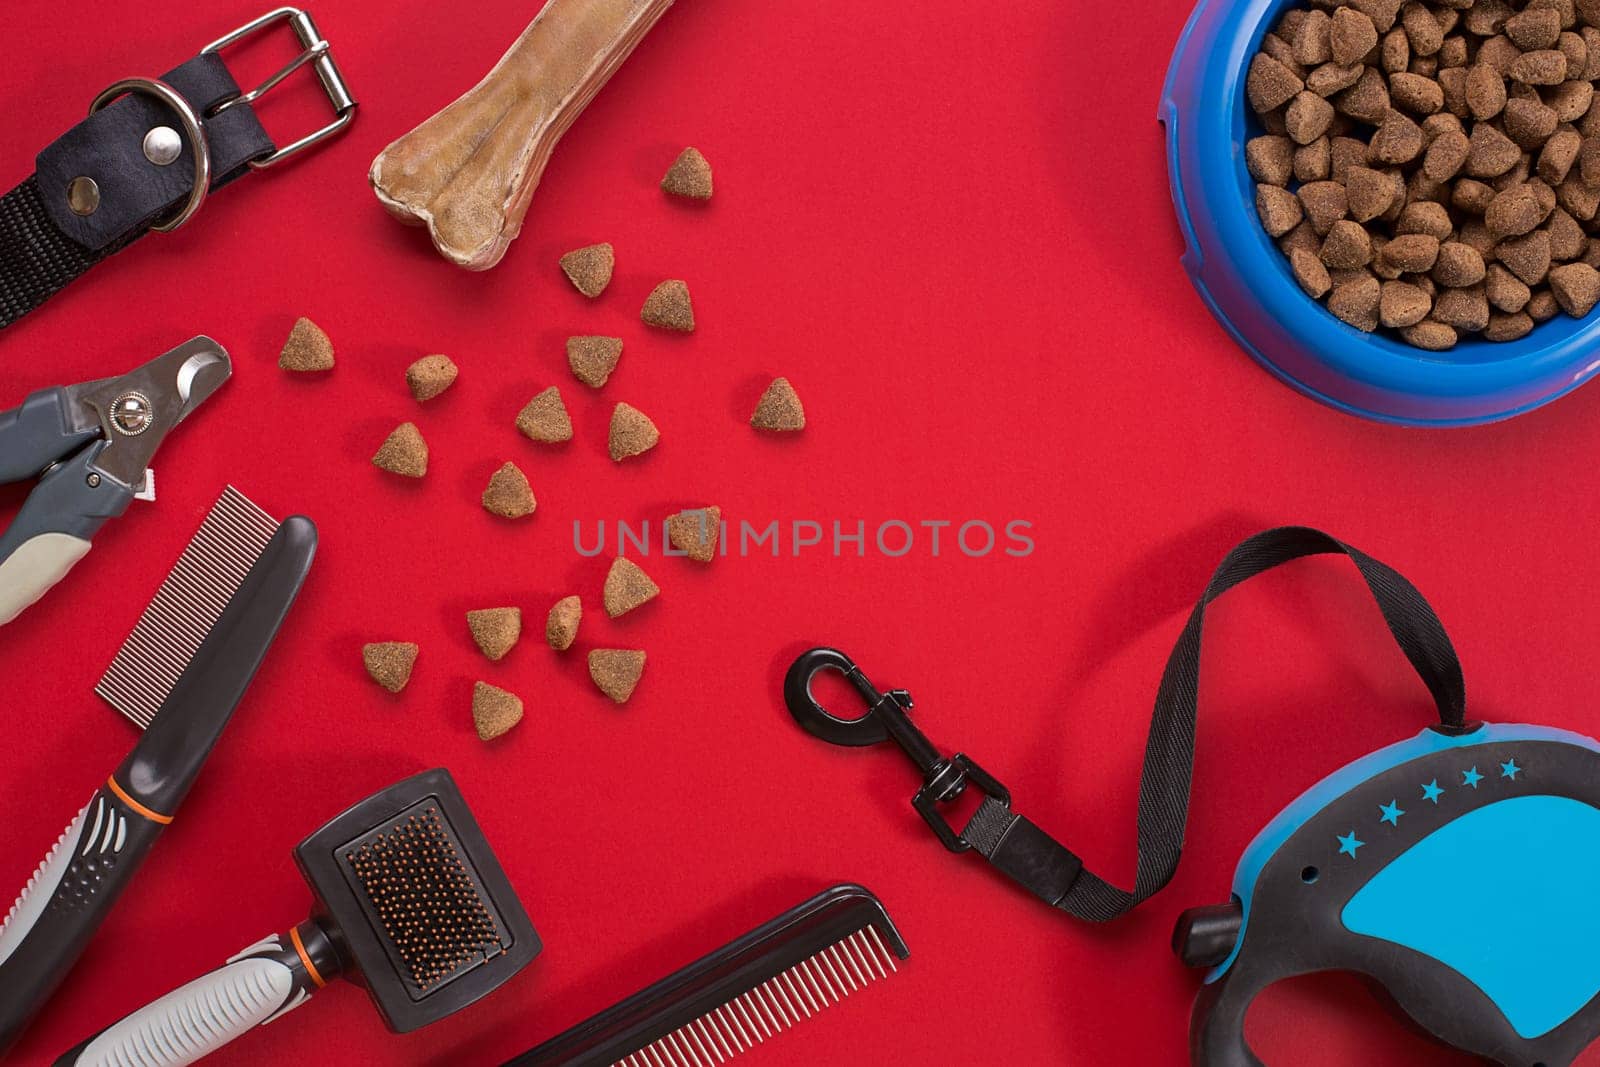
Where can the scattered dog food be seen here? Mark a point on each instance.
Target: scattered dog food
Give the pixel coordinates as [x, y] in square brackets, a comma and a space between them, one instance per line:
[561, 626]
[508, 494]
[1432, 167]
[545, 418]
[308, 350]
[627, 586]
[689, 176]
[616, 671]
[494, 710]
[632, 432]
[403, 452]
[389, 663]
[696, 532]
[430, 376]
[589, 268]
[668, 306]
[592, 359]
[496, 631]
[779, 408]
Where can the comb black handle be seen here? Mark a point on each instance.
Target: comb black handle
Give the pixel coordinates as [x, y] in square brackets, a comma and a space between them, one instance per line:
[264, 982]
[64, 902]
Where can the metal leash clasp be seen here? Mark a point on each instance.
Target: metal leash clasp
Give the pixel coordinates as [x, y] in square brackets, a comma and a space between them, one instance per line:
[314, 50]
[887, 719]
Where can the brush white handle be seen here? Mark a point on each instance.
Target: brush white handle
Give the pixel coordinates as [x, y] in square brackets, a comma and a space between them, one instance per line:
[33, 567]
[260, 984]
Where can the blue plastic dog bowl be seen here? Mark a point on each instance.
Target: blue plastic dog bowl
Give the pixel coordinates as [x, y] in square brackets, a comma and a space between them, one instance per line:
[1245, 279]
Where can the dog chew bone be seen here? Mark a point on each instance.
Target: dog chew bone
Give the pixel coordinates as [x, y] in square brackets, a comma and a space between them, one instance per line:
[469, 172]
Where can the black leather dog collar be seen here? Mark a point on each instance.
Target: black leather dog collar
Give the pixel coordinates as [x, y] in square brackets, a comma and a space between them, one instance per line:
[133, 164]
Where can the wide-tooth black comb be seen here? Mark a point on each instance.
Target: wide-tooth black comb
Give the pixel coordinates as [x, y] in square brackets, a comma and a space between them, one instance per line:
[410, 902]
[780, 974]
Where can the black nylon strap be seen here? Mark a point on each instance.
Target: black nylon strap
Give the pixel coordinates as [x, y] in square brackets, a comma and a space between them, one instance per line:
[44, 246]
[1054, 874]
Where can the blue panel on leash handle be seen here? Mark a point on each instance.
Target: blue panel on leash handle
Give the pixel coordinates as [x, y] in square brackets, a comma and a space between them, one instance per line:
[1458, 872]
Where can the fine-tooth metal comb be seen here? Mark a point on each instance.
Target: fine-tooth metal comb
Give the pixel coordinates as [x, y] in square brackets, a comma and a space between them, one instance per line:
[191, 599]
[780, 974]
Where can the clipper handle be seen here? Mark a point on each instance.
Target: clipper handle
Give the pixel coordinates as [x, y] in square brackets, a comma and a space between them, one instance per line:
[53, 529]
[265, 981]
[65, 901]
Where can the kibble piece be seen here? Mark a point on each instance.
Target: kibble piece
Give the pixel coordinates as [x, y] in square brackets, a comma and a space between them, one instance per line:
[430, 376]
[1310, 272]
[668, 306]
[1421, 29]
[1589, 160]
[494, 710]
[1383, 13]
[1300, 239]
[1279, 49]
[632, 432]
[1311, 46]
[1420, 187]
[1307, 117]
[1528, 257]
[1473, 232]
[1571, 100]
[403, 452]
[561, 625]
[1430, 335]
[1558, 155]
[1402, 304]
[308, 350]
[1416, 94]
[1458, 265]
[1453, 83]
[1368, 193]
[495, 631]
[1508, 327]
[1356, 302]
[508, 493]
[1446, 155]
[1470, 196]
[1452, 53]
[1591, 43]
[1534, 29]
[1324, 204]
[1513, 212]
[779, 409]
[1394, 53]
[545, 418]
[1467, 310]
[1331, 78]
[1313, 162]
[1505, 290]
[696, 532]
[1576, 49]
[1425, 216]
[1542, 306]
[1576, 287]
[616, 671]
[1492, 152]
[1486, 91]
[1528, 122]
[627, 586]
[1367, 100]
[689, 176]
[389, 663]
[1269, 159]
[1548, 67]
[1413, 253]
[1499, 53]
[592, 359]
[1487, 17]
[1347, 246]
[1579, 197]
[1398, 140]
[1441, 123]
[1351, 36]
[589, 268]
[1567, 239]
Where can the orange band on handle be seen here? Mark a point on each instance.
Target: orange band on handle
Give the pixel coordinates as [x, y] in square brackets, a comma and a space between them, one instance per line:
[138, 808]
[305, 957]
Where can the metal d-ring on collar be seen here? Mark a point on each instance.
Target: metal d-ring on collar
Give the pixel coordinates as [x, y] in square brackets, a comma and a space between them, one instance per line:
[191, 126]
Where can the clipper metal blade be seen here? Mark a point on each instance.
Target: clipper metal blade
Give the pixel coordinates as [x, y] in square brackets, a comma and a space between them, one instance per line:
[191, 599]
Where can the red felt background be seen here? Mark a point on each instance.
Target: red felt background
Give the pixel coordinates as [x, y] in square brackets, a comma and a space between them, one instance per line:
[948, 224]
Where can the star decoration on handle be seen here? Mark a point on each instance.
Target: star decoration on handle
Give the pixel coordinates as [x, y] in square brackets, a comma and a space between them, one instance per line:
[1471, 777]
[1348, 844]
[1391, 812]
[1510, 769]
[1431, 792]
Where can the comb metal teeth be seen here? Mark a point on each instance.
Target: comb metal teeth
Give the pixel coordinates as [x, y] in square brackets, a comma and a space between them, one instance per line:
[814, 984]
[192, 597]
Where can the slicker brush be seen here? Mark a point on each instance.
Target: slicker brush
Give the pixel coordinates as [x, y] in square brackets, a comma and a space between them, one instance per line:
[409, 902]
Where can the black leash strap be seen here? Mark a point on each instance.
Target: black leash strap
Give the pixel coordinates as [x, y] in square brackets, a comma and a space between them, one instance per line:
[1032, 857]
